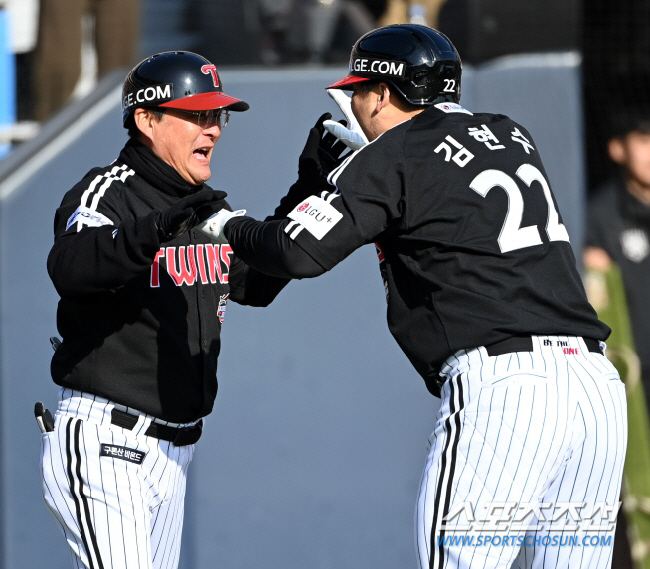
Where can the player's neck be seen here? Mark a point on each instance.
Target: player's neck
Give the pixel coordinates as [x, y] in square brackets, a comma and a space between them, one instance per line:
[391, 119]
[639, 190]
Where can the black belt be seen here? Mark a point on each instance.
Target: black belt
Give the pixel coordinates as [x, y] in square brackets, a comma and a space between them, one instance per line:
[525, 344]
[180, 436]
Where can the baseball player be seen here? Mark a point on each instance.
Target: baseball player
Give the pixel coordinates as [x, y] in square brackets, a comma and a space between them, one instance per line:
[143, 299]
[483, 297]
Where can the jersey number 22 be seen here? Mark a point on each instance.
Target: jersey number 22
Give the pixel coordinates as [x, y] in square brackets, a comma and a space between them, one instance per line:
[512, 235]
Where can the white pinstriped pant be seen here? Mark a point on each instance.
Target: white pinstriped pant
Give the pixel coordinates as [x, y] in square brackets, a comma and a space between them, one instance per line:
[114, 513]
[547, 426]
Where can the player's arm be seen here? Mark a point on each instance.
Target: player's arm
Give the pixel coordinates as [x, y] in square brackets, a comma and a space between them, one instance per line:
[265, 246]
[251, 287]
[322, 152]
[324, 229]
[100, 248]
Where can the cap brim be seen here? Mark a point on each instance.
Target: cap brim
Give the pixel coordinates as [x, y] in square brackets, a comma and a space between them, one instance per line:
[348, 80]
[207, 101]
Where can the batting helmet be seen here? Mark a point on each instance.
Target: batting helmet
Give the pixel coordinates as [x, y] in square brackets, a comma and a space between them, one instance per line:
[420, 62]
[177, 80]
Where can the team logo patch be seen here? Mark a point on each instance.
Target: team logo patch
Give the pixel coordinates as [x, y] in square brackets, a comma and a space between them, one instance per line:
[221, 311]
[123, 453]
[451, 108]
[86, 216]
[316, 216]
[211, 70]
[378, 67]
[635, 245]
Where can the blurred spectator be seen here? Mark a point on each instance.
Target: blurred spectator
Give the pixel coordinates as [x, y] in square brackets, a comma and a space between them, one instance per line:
[317, 31]
[23, 19]
[618, 225]
[413, 11]
[57, 60]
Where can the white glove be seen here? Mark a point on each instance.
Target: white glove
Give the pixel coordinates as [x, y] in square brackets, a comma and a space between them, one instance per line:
[353, 136]
[213, 226]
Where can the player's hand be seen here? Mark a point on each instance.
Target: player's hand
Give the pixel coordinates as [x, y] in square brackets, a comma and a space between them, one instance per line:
[188, 212]
[322, 153]
[213, 226]
[353, 136]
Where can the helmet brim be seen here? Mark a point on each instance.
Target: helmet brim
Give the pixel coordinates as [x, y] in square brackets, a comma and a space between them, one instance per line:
[347, 81]
[206, 102]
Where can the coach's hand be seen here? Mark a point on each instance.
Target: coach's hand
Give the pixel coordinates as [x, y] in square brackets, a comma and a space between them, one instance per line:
[188, 212]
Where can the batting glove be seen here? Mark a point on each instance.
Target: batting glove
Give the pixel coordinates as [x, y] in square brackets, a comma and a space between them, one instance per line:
[320, 155]
[353, 137]
[213, 226]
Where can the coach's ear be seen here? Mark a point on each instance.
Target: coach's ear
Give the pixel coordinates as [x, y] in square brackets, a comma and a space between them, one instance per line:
[383, 100]
[144, 121]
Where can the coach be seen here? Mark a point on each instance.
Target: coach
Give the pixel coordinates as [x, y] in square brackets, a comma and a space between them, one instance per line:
[143, 299]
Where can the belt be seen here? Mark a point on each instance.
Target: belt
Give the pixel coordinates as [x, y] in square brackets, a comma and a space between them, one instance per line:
[525, 344]
[180, 436]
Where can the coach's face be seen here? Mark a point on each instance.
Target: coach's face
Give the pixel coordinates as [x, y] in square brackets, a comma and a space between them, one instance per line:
[178, 140]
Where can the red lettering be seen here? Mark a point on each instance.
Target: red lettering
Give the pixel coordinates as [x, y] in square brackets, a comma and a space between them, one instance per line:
[154, 282]
[226, 251]
[214, 265]
[184, 275]
[200, 259]
[571, 351]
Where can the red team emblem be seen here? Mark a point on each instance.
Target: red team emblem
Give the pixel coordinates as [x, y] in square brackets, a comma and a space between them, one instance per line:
[211, 70]
[304, 206]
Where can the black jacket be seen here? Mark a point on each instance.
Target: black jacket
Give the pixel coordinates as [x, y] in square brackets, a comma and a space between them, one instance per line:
[141, 320]
[471, 247]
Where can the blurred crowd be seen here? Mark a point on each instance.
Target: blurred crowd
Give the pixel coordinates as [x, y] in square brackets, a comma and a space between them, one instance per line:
[63, 47]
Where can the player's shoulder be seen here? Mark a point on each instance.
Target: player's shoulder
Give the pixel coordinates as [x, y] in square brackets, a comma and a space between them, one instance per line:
[453, 116]
[103, 181]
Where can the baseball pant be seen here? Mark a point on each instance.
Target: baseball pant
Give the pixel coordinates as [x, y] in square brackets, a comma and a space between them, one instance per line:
[525, 444]
[117, 494]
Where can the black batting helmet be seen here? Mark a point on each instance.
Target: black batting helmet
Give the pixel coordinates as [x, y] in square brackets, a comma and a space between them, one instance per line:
[177, 80]
[420, 62]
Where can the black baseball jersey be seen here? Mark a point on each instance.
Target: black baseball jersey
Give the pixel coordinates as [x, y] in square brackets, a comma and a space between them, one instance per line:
[141, 320]
[471, 245]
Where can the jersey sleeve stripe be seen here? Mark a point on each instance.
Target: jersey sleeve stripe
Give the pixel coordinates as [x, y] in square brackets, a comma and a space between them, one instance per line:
[109, 180]
[116, 173]
[290, 225]
[295, 226]
[328, 196]
[97, 188]
[297, 230]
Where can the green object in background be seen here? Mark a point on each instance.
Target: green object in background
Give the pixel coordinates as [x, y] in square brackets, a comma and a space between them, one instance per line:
[606, 293]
